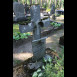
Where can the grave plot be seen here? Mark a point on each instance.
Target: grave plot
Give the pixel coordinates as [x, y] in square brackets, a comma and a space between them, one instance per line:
[37, 29]
[38, 45]
[51, 42]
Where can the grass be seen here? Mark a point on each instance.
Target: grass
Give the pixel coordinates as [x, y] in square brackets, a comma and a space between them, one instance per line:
[15, 28]
[17, 62]
[17, 35]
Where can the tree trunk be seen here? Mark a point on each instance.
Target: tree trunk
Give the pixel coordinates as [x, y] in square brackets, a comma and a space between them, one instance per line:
[40, 2]
[35, 1]
[30, 2]
[23, 2]
[56, 3]
[59, 4]
[47, 1]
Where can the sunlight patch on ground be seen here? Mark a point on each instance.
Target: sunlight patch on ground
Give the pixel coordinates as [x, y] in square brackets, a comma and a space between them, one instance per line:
[53, 41]
[49, 40]
[22, 56]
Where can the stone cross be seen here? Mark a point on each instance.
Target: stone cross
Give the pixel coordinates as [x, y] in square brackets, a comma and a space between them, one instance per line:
[18, 9]
[38, 43]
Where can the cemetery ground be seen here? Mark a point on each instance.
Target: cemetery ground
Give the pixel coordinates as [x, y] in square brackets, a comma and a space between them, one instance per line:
[30, 56]
[23, 50]
[51, 42]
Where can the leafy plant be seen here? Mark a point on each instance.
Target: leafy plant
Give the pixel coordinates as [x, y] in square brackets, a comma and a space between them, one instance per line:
[55, 24]
[18, 35]
[51, 70]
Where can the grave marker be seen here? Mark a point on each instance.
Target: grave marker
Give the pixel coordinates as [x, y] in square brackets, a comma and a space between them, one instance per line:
[52, 12]
[52, 9]
[18, 9]
[38, 43]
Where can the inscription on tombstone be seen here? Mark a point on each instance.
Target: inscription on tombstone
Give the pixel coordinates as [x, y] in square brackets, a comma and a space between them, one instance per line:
[38, 43]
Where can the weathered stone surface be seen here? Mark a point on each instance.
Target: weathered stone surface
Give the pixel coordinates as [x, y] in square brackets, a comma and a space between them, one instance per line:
[26, 28]
[35, 13]
[38, 48]
[19, 11]
[35, 65]
[46, 22]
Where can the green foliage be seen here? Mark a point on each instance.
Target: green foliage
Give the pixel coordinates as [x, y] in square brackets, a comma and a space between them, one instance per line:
[48, 10]
[51, 70]
[45, 5]
[15, 0]
[18, 35]
[55, 24]
[17, 61]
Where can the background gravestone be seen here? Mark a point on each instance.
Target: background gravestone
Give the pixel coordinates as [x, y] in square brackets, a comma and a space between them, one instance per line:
[52, 12]
[35, 13]
[18, 9]
[52, 9]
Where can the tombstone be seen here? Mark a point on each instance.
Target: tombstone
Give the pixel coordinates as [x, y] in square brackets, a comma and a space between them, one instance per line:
[52, 12]
[38, 43]
[59, 12]
[52, 9]
[18, 9]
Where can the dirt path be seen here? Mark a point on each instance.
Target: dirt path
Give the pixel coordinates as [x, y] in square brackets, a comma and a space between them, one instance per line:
[53, 41]
[24, 51]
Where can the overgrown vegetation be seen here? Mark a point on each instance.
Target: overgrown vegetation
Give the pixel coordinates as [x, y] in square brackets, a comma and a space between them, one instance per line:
[55, 24]
[16, 33]
[50, 69]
